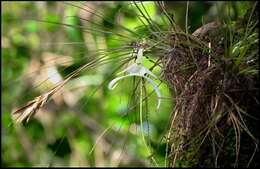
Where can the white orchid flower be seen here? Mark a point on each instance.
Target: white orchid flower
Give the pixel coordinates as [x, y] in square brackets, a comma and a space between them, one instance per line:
[137, 69]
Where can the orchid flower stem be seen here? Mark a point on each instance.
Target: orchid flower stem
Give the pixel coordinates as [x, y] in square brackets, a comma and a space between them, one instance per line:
[141, 121]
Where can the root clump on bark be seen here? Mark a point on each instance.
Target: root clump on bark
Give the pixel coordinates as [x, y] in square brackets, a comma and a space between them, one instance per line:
[213, 102]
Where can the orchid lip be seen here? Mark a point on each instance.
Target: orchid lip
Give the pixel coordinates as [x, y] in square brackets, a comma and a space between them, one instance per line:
[139, 69]
[113, 84]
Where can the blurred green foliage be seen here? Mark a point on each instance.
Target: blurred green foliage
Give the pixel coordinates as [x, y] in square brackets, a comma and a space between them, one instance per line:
[64, 133]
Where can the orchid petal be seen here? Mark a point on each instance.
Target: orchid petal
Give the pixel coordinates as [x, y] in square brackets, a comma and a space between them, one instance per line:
[112, 84]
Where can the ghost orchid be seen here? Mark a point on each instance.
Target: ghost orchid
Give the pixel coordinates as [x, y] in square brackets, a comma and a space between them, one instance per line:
[137, 69]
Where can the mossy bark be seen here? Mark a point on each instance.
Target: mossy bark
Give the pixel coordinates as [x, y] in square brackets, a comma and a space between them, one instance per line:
[207, 127]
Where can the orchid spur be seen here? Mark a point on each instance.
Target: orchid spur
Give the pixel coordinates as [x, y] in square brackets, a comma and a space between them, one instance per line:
[137, 69]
